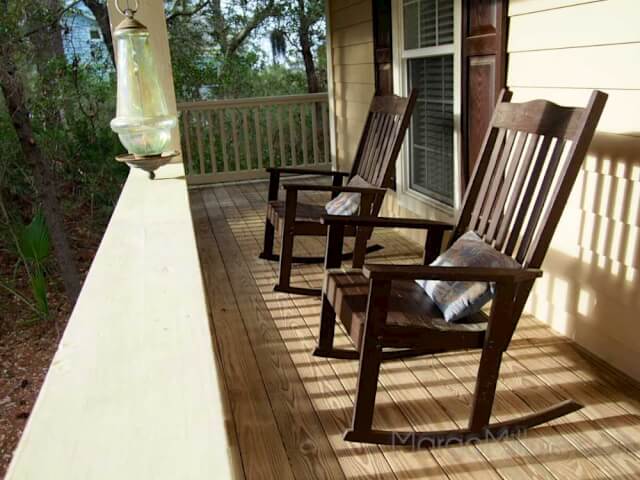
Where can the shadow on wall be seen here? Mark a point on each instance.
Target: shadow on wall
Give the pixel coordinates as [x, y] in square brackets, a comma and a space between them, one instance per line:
[590, 290]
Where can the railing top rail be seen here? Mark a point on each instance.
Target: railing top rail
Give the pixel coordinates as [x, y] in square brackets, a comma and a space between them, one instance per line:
[133, 391]
[253, 102]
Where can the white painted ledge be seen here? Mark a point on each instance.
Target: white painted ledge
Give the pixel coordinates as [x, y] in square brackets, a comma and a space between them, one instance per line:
[133, 390]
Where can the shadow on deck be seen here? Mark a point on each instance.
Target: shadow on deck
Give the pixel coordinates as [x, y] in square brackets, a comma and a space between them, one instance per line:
[287, 410]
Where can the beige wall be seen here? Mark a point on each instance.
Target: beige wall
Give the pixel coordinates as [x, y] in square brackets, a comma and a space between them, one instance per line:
[351, 31]
[590, 290]
[559, 50]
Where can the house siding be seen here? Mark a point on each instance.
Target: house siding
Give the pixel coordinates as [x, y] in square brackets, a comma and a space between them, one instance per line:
[351, 30]
[590, 290]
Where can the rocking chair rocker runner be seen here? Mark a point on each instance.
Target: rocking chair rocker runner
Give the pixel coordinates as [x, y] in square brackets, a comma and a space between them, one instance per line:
[374, 162]
[527, 166]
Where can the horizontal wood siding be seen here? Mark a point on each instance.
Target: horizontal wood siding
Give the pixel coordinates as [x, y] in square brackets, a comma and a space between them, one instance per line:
[351, 30]
[590, 289]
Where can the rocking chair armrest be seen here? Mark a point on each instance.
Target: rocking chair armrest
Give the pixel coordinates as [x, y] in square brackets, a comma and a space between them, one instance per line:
[462, 274]
[330, 188]
[309, 171]
[385, 222]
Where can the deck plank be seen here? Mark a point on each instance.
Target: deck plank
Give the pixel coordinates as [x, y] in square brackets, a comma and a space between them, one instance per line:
[254, 420]
[540, 368]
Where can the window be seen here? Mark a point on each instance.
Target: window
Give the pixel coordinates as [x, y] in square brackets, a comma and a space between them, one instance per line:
[428, 53]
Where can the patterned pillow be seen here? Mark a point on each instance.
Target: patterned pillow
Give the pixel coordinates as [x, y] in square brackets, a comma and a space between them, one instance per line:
[347, 203]
[458, 300]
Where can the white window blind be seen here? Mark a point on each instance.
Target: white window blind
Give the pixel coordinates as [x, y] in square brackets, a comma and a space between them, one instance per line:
[429, 24]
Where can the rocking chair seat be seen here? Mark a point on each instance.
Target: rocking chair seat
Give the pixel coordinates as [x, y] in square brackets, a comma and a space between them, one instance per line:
[409, 306]
[306, 213]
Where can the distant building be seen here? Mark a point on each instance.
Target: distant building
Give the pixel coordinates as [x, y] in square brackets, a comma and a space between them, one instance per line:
[82, 38]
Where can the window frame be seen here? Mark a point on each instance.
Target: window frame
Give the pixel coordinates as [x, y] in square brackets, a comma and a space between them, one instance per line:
[407, 197]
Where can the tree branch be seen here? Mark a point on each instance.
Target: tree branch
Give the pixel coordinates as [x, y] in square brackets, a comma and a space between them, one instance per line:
[175, 12]
[254, 22]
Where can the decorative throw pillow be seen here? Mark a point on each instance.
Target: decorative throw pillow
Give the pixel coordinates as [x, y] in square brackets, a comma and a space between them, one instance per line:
[458, 300]
[347, 203]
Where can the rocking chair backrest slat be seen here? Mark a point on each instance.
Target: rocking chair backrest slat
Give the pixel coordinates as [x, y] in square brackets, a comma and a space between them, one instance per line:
[496, 215]
[381, 140]
[518, 183]
[512, 236]
[527, 167]
[487, 175]
[495, 181]
[541, 198]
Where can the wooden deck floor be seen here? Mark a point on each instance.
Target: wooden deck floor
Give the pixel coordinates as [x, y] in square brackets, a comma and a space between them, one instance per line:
[288, 410]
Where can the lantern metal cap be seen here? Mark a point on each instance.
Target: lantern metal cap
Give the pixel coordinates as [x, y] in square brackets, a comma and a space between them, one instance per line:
[130, 23]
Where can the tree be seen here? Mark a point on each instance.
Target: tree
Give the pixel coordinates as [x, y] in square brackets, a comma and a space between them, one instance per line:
[13, 16]
[232, 25]
[301, 23]
[308, 15]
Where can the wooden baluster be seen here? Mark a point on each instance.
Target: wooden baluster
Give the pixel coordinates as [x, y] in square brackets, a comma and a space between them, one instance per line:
[292, 137]
[283, 158]
[303, 133]
[223, 139]
[187, 139]
[325, 132]
[212, 142]
[258, 135]
[272, 158]
[200, 144]
[236, 145]
[314, 132]
[245, 134]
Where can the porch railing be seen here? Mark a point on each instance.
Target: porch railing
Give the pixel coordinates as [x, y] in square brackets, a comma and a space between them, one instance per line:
[228, 140]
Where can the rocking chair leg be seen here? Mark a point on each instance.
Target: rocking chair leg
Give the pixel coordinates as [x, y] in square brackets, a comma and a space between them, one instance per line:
[267, 248]
[286, 259]
[367, 387]
[327, 329]
[370, 359]
[485, 390]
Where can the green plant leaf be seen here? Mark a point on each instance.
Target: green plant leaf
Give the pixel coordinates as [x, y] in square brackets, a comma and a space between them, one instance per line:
[39, 289]
[33, 240]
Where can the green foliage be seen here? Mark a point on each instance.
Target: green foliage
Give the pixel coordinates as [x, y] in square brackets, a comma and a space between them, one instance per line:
[33, 240]
[202, 70]
[33, 247]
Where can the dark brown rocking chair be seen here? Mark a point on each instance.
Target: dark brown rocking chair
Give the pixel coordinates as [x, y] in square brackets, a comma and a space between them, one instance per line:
[377, 151]
[524, 174]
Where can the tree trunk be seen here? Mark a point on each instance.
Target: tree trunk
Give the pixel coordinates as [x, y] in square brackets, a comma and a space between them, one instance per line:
[13, 91]
[304, 37]
[101, 13]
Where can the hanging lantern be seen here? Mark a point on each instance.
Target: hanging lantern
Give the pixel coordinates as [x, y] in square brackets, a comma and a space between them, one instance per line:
[142, 121]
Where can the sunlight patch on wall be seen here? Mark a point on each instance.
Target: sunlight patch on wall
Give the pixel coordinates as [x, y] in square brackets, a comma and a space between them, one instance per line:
[585, 302]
